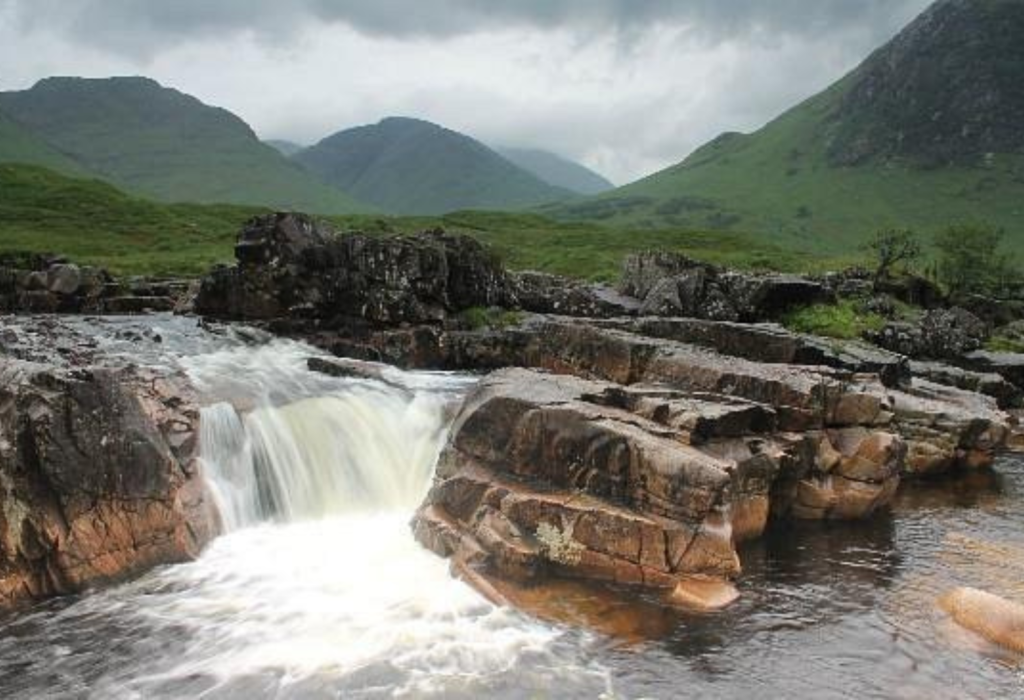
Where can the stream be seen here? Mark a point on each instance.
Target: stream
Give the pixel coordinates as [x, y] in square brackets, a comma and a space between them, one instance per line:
[317, 588]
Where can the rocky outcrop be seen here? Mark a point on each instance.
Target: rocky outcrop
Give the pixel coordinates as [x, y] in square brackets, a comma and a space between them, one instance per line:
[943, 334]
[291, 268]
[1006, 394]
[670, 284]
[98, 476]
[643, 485]
[34, 283]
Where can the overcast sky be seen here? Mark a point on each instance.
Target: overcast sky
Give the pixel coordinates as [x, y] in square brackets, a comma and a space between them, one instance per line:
[625, 86]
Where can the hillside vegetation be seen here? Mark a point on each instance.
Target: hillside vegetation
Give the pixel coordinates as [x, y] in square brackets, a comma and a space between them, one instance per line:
[410, 166]
[928, 132]
[158, 142]
[92, 222]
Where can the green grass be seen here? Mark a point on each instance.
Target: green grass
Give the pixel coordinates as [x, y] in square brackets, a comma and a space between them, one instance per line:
[478, 317]
[94, 223]
[1004, 344]
[844, 320]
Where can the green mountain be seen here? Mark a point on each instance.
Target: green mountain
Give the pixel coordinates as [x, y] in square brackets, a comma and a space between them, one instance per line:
[409, 166]
[18, 145]
[928, 131]
[284, 147]
[160, 142]
[556, 170]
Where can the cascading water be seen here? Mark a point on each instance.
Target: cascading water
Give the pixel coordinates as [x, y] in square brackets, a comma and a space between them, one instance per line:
[317, 589]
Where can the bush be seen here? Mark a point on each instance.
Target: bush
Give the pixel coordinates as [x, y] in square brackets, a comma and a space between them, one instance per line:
[844, 320]
[971, 261]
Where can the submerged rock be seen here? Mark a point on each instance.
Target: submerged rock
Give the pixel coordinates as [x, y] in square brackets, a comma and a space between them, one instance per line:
[998, 620]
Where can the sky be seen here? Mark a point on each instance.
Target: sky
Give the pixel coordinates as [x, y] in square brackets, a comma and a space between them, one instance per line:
[627, 87]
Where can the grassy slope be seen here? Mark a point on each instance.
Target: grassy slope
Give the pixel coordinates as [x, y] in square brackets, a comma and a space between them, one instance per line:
[94, 223]
[19, 146]
[164, 144]
[777, 182]
[409, 166]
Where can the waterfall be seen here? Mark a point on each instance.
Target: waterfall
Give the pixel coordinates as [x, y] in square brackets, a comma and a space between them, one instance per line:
[285, 444]
[362, 450]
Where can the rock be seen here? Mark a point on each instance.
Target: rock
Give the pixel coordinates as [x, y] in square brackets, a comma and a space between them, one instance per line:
[538, 292]
[1008, 365]
[772, 344]
[289, 268]
[988, 383]
[644, 485]
[704, 595]
[948, 428]
[279, 239]
[941, 334]
[998, 620]
[98, 477]
[63, 279]
[670, 284]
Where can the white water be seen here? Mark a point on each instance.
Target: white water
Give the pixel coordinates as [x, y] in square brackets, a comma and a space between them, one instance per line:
[317, 588]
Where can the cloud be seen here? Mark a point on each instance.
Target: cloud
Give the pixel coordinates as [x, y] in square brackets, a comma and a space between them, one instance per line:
[626, 86]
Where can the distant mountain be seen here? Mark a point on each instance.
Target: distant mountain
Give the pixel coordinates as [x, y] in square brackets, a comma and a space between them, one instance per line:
[556, 170]
[157, 141]
[409, 166]
[928, 131]
[285, 148]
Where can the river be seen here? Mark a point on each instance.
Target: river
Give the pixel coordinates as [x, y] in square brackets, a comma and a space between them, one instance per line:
[318, 590]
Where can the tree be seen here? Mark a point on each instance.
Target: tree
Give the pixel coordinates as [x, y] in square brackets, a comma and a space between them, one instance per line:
[971, 261]
[892, 247]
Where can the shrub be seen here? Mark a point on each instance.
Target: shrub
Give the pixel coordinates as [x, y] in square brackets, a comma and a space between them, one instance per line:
[844, 320]
[892, 247]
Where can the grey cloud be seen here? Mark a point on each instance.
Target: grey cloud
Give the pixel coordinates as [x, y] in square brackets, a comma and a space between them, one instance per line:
[142, 27]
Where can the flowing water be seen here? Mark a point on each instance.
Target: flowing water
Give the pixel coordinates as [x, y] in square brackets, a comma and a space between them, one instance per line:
[318, 590]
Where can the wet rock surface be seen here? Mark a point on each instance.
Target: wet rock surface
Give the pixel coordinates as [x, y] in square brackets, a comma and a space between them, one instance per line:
[98, 472]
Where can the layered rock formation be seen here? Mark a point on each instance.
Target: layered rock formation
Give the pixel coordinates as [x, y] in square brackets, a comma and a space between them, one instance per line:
[98, 475]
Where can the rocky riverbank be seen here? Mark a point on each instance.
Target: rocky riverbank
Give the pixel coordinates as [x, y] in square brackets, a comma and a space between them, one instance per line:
[635, 435]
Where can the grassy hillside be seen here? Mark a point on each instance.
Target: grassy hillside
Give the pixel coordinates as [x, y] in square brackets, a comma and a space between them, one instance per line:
[92, 222]
[409, 166]
[556, 170]
[19, 146]
[165, 144]
[847, 162]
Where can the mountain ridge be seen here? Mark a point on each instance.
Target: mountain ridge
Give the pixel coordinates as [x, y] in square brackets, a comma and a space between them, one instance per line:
[412, 166]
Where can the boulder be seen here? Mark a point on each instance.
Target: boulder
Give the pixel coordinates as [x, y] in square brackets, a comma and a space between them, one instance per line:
[98, 477]
[1008, 365]
[670, 284]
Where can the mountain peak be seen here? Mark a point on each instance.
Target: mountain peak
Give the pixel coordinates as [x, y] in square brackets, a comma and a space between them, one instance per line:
[948, 89]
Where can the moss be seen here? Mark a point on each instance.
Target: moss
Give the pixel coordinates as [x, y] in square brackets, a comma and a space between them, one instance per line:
[477, 318]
